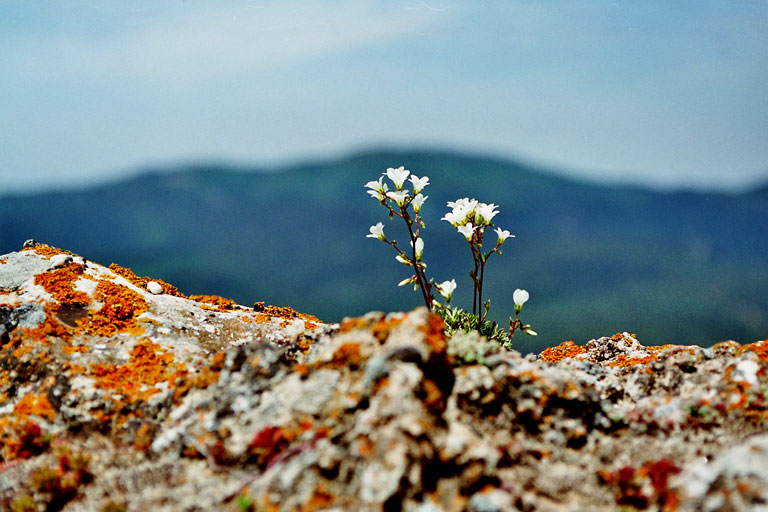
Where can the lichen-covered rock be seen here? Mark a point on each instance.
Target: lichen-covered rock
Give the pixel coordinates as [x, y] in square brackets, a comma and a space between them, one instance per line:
[117, 392]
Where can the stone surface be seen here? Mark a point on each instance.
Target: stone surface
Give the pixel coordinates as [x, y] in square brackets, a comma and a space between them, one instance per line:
[114, 397]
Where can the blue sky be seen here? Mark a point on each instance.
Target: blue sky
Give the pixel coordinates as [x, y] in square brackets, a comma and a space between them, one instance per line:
[670, 94]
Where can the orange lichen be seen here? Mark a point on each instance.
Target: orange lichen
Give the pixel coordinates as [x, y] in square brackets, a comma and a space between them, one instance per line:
[432, 397]
[77, 349]
[660, 348]
[45, 250]
[565, 350]
[321, 499]
[349, 324]
[348, 354]
[142, 282]
[148, 366]
[620, 336]
[434, 333]
[622, 360]
[760, 348]
[2, 261]
[33, 404]
[364, 446]
[60, 283]
[382, 328]
[121, 307]
[220, 303]
[49, 327]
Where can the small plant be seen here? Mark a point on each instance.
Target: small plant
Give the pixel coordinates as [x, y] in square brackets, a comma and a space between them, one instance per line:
[471, 347]
[59, 485]
[471, 218]
[24, 503]
[245, 503]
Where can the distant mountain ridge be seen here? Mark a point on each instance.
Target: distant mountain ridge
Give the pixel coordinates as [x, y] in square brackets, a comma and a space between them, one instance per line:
[681, 267]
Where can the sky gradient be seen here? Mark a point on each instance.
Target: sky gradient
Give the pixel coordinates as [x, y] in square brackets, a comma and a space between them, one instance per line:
[669, 94]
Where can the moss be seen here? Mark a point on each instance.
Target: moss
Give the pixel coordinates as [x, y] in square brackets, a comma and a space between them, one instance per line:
[470, 348]
[24, 503]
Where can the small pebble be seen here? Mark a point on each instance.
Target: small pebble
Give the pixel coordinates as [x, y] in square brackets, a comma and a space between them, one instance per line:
[154, 288]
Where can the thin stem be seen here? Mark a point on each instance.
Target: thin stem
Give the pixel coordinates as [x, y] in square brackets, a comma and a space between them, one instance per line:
[419, 272]
[480, 287]
[474, 278]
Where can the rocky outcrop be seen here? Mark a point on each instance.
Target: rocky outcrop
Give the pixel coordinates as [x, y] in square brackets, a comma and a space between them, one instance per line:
[117, 392]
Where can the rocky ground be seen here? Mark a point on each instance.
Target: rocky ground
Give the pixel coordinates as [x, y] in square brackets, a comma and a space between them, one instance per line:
[118, 393]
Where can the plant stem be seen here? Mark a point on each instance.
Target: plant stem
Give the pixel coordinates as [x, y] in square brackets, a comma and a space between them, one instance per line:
[480, 286]
[420, 277]
[474, 278]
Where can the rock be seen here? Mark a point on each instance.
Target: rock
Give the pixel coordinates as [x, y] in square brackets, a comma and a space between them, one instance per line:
[154, 288]
[119, 391]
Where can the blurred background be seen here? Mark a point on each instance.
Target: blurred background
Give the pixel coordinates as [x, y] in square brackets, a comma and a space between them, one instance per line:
[224, 147]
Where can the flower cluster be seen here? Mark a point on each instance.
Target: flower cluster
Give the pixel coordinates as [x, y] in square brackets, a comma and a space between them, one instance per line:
[400, 202]
[471, 218]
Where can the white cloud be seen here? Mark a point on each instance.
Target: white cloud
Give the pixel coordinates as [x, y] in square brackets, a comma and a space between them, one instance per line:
[196, 43]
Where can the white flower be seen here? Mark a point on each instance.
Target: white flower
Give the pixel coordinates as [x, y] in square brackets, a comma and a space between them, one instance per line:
[418, 201]
[503, 234]
[486, 212]
[446, 288]
[453, 217]
[520, 297]
[377, 231]
[405, 261]
[397, 176]
[419, 183]
[398, 197]
[419, 248]
[466, 230]
[377, 185]
[464, 202]
[410, 280]
[378, 188]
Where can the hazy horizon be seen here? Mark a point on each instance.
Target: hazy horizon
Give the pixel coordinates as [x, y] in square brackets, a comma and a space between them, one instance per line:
[659, 94]
[108, 178]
